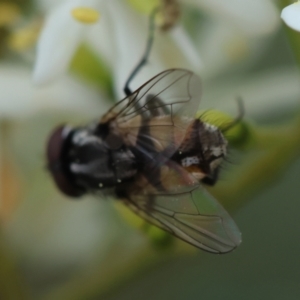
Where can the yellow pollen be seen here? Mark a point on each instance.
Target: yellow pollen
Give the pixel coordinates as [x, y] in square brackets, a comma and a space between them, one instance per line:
[9, 13]
[85, 15]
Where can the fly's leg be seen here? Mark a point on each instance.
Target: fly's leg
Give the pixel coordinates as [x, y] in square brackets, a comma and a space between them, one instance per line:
[145, 56]
[156, 106]
[238, 118]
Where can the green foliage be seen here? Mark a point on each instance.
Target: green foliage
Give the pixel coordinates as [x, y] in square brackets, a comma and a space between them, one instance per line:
[91, 68]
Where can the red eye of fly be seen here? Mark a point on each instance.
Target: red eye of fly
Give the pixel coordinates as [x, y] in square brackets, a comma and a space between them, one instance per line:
[57, 162]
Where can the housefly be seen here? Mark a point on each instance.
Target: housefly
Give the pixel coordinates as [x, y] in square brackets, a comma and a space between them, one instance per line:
[150, 152]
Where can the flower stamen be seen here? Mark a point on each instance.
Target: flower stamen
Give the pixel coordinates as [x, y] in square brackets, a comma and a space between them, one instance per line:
[85, 15]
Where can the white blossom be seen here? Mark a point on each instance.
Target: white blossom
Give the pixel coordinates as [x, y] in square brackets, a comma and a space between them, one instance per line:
[235, 34]
[20, 98]
[291, 15]
[120, 35]
[253, 17]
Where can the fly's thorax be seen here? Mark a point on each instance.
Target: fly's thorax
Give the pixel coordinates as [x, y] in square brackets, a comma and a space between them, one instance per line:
[161, 130]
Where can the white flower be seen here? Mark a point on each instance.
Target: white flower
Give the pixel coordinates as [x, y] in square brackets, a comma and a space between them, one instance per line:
[20, 98]
[253, 17]
[235, 34]
[120, 38]
[291, 16]
[270, 92]
[120, 35]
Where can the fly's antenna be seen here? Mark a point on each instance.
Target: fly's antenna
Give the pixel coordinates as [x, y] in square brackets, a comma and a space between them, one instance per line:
[145, 56]
[238, 118]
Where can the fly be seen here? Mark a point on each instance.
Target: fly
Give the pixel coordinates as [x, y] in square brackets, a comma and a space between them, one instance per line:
[150, 152]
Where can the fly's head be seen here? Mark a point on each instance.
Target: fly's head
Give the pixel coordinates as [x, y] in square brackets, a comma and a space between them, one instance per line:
[76, 159]
[88, 159]
[57, 154]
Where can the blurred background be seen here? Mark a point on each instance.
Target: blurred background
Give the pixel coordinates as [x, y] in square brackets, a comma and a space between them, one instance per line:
[63, 63]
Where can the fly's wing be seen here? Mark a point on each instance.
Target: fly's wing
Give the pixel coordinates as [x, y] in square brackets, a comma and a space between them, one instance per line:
[188, 212]
[163, 107]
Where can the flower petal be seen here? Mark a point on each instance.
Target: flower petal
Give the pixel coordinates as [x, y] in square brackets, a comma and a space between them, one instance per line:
[59, 40]
[291, 16]
[225, 47]
[100, 36]
[67, 95]
[267, 93]
[253, 17]
[187, 47]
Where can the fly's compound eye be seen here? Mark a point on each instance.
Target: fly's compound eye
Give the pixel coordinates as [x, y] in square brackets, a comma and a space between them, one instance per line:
[57, 149]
